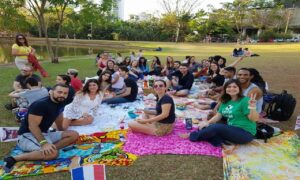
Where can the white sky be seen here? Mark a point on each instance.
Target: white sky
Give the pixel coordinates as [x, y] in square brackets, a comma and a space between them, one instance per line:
[150, 6]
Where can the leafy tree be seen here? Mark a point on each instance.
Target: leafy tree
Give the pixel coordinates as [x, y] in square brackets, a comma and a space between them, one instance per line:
[238, 9]
[11, 18]
[182, 9]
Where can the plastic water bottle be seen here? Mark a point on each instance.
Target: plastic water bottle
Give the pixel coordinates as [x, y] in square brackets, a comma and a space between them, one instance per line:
[122, 138]
[151, 81]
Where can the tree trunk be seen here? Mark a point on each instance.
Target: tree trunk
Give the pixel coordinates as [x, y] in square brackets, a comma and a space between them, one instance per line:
[40, 31]
[48, 43]
[57, 41]
[177, 32]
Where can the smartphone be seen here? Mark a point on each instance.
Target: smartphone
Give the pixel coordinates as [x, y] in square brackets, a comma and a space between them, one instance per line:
[188, 123]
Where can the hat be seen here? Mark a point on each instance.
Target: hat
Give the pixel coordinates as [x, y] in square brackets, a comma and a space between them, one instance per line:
[73, 71]
[26, 68]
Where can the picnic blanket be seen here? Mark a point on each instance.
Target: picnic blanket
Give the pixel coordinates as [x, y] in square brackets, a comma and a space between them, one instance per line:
[279, 158]
[108, 118]
[141, 144]
[98, 148]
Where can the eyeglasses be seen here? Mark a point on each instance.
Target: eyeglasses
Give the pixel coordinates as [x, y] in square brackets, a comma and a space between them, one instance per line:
[20, 38]
[160, 86]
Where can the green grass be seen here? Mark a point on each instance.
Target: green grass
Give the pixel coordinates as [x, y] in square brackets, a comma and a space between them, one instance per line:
[278, 63]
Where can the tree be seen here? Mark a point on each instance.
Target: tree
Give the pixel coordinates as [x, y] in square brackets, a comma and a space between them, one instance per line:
[38, 8]
[238, 9]
[10, 17]
[265, 15]
[181, 9]
[60, 7]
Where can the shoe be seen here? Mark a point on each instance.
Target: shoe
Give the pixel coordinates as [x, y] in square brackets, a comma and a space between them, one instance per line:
[9, 163]
[9, 106]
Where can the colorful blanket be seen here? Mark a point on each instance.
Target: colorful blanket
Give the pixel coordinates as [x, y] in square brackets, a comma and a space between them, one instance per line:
[141, 144]
[99, 148]
[279, 158]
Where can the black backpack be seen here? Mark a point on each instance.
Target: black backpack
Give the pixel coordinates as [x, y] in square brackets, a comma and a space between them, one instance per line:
[264, 131]
[281, 107]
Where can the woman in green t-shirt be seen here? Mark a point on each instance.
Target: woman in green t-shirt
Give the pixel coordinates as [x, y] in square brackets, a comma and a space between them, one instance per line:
[241, 114]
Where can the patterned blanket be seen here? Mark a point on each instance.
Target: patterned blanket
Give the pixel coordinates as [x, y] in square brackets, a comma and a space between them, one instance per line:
[279, 158]
[141, 144]
[98, 148]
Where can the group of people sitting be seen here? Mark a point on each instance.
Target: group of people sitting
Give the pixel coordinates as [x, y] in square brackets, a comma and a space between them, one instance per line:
[238, 99]
[242, 52]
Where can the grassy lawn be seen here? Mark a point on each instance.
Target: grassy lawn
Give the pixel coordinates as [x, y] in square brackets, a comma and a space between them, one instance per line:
[278, 63]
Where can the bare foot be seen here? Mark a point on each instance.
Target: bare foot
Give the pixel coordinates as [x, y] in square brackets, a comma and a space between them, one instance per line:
[75, 162]
[184, 136]
[227, 150]
[266, 120]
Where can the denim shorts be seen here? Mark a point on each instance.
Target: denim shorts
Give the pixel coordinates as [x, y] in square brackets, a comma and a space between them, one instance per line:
[27, 142]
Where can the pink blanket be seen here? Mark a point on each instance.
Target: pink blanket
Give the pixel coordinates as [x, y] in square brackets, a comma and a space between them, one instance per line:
[141, 144]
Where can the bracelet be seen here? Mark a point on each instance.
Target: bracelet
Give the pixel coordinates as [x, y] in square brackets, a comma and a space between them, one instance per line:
[43, 142]
[250, 107]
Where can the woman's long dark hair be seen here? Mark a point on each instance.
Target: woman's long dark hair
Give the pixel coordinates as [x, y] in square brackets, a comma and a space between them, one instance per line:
[105, 72]
[224, 62]
[65, 78]
[257, 79]
[226, 97]
[126, 63]
[85, 89]
[19, 43]
[157, 60]
[170, 64]
[164, 82]
[211, 72]
[107, 68]
[142, 63]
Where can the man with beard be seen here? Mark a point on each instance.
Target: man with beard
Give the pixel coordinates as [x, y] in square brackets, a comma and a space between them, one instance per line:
[249, 89]
[33, 135]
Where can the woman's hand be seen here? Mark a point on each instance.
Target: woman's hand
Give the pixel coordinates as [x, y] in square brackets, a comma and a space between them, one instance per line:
[142, 121]
[252, 101]
[203, 124]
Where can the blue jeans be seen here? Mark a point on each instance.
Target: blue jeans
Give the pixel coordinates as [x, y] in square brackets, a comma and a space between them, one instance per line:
[117, 100]
[216, 134]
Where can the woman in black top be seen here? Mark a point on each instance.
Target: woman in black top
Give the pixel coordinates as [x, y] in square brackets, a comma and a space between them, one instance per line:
[160, 121]
[215, 76]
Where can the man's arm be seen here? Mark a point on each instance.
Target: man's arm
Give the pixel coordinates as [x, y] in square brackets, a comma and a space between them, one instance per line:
[34, 121]
[17, 85]
[126, 93]
[59, 122]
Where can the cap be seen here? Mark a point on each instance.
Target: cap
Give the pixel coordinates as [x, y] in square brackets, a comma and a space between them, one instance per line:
[26, 68]
[73, 71]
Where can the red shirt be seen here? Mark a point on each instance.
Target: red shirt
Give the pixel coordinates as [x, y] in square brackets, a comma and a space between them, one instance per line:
[76, 84]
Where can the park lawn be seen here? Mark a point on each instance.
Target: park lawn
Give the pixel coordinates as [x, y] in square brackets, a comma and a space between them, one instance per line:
[278, 63]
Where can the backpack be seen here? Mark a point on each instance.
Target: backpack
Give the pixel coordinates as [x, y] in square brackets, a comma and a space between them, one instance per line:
[281, 107]
[264, 131]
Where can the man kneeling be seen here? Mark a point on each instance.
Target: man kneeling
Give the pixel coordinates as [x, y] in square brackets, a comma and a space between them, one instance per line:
[34, 138]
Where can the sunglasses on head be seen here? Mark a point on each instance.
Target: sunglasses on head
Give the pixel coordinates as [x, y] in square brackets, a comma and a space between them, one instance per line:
[160, 86]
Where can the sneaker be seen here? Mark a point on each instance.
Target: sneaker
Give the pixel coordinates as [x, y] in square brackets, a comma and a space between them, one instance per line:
[9, 106]
[9, 163]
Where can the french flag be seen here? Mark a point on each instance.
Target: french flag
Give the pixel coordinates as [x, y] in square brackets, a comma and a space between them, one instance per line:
[90, 172]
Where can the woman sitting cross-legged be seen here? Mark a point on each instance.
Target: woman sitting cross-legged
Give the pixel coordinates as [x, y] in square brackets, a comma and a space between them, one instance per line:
[84, 106]
[241, 116]
[159, 122]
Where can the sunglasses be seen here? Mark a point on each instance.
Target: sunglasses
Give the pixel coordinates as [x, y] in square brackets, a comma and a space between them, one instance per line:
[20, 38]
[160, 86]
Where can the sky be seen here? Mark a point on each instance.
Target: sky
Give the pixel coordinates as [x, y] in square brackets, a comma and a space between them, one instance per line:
[150, 6]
